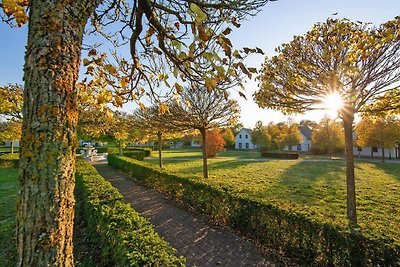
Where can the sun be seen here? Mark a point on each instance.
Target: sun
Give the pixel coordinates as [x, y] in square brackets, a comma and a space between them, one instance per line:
[333, 103]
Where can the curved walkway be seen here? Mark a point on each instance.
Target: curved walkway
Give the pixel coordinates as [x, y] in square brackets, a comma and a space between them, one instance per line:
[201, 244]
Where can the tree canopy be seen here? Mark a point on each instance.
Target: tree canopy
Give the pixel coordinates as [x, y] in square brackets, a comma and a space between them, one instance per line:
[354, 60]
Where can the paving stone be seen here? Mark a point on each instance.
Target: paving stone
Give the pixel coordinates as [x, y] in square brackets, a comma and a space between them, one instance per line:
[193, 237]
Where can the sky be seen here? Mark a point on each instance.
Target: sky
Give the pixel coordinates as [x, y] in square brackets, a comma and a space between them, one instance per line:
[277, 23]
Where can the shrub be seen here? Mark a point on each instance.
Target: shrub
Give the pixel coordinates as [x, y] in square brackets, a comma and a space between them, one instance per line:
[138, 154]
[146, 150]
[279, 155]
[9, 160]
[125, 238]
[299, 235]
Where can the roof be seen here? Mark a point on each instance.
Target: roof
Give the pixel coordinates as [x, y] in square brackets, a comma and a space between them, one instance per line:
[246, 129]
[307, 132]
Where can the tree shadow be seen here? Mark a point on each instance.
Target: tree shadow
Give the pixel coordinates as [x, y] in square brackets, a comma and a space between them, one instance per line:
[389, 168]
[312, 184]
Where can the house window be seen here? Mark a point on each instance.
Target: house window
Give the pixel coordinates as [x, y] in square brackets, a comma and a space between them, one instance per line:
[374, 149]
[247, 145]
[299, 147]
[240, 136]
[359, 149]
[247, 136]
[240, 145]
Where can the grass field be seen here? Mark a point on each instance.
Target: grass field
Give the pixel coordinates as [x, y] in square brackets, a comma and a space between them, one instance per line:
[196, 153]
[316, 188]
[8, 195]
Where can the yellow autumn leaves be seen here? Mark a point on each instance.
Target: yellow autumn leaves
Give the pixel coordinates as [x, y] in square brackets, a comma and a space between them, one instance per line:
[16, 9]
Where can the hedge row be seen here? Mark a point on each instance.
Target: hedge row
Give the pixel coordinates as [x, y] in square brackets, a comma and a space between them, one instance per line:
[313, 242]
[138, 155]
[9, 160]
[146, 150]
[279, 155]
[125, 238]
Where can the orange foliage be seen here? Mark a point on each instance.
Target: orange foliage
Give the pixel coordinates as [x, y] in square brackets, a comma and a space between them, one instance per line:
[215, 143]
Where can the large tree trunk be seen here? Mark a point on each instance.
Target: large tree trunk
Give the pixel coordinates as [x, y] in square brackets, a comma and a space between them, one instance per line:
[12, 147]
[45, 209]
[383, 154]
[204, 149]
[159, 137]
[348, 120]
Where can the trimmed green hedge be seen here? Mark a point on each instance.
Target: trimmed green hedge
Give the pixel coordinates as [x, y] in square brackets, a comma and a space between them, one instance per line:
[146, 150]
[125, 238]
[313, 242]
[138, 155]
[279, 155]
[9, 160]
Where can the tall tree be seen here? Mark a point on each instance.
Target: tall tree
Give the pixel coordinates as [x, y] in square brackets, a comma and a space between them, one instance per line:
[46, 203]
[10, 131]
[11, 100]
[203, 109]
[354, 60]
[328, 137]
[260, 136]
[382, 132]
[293, 136]
[156, 121]
[229, 138]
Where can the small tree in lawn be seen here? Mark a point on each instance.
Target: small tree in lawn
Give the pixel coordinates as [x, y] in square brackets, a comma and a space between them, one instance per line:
[10, 131]
[229, 138]
[203, 109]
[156, 120]
[357, 62]
[260, 136]
[327, 137]
[382, 132]
[293, 136]
[214, 142]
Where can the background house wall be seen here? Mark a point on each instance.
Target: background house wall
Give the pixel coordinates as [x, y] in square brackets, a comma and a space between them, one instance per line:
[243, 140]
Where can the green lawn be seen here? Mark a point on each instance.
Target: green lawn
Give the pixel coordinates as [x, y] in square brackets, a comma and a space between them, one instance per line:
[316, 188]
[196, 153]
[8, 195]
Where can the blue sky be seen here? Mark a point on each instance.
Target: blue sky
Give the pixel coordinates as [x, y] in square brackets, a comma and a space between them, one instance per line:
[276, 24]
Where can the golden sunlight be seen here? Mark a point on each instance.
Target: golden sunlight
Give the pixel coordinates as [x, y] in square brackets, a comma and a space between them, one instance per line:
[333, 103]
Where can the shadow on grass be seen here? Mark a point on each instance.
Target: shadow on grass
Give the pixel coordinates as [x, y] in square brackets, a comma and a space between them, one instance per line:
[311, 183]
[392, 169]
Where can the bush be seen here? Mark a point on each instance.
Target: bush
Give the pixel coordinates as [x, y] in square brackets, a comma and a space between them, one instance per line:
[125, 238]
[279, 155]
[146, 150]
[9, 160]
[138, 154]
[299, 235]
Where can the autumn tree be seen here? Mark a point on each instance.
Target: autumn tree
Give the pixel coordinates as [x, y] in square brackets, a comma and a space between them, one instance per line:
[260, 136]
[327, 137]
[215, 143]
[151, 29]
[11, 100]
[228, 137]
[203, 109]
[158, 121]
[359, 62]
[380, 132]
[10, 131]
[292, 136]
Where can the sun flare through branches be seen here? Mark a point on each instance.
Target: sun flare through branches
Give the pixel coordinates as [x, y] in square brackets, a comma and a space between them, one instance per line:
[333, 103]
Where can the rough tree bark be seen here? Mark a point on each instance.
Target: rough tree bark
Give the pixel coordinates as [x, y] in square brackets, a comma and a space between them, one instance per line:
[204, 149]
[45, 208]
[348, 119]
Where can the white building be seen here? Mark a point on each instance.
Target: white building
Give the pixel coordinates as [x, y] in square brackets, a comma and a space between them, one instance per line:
[243, 140]
[305, 145]
[393, 153]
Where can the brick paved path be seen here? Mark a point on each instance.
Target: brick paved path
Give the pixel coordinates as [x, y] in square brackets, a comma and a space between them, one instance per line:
[193, 238]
